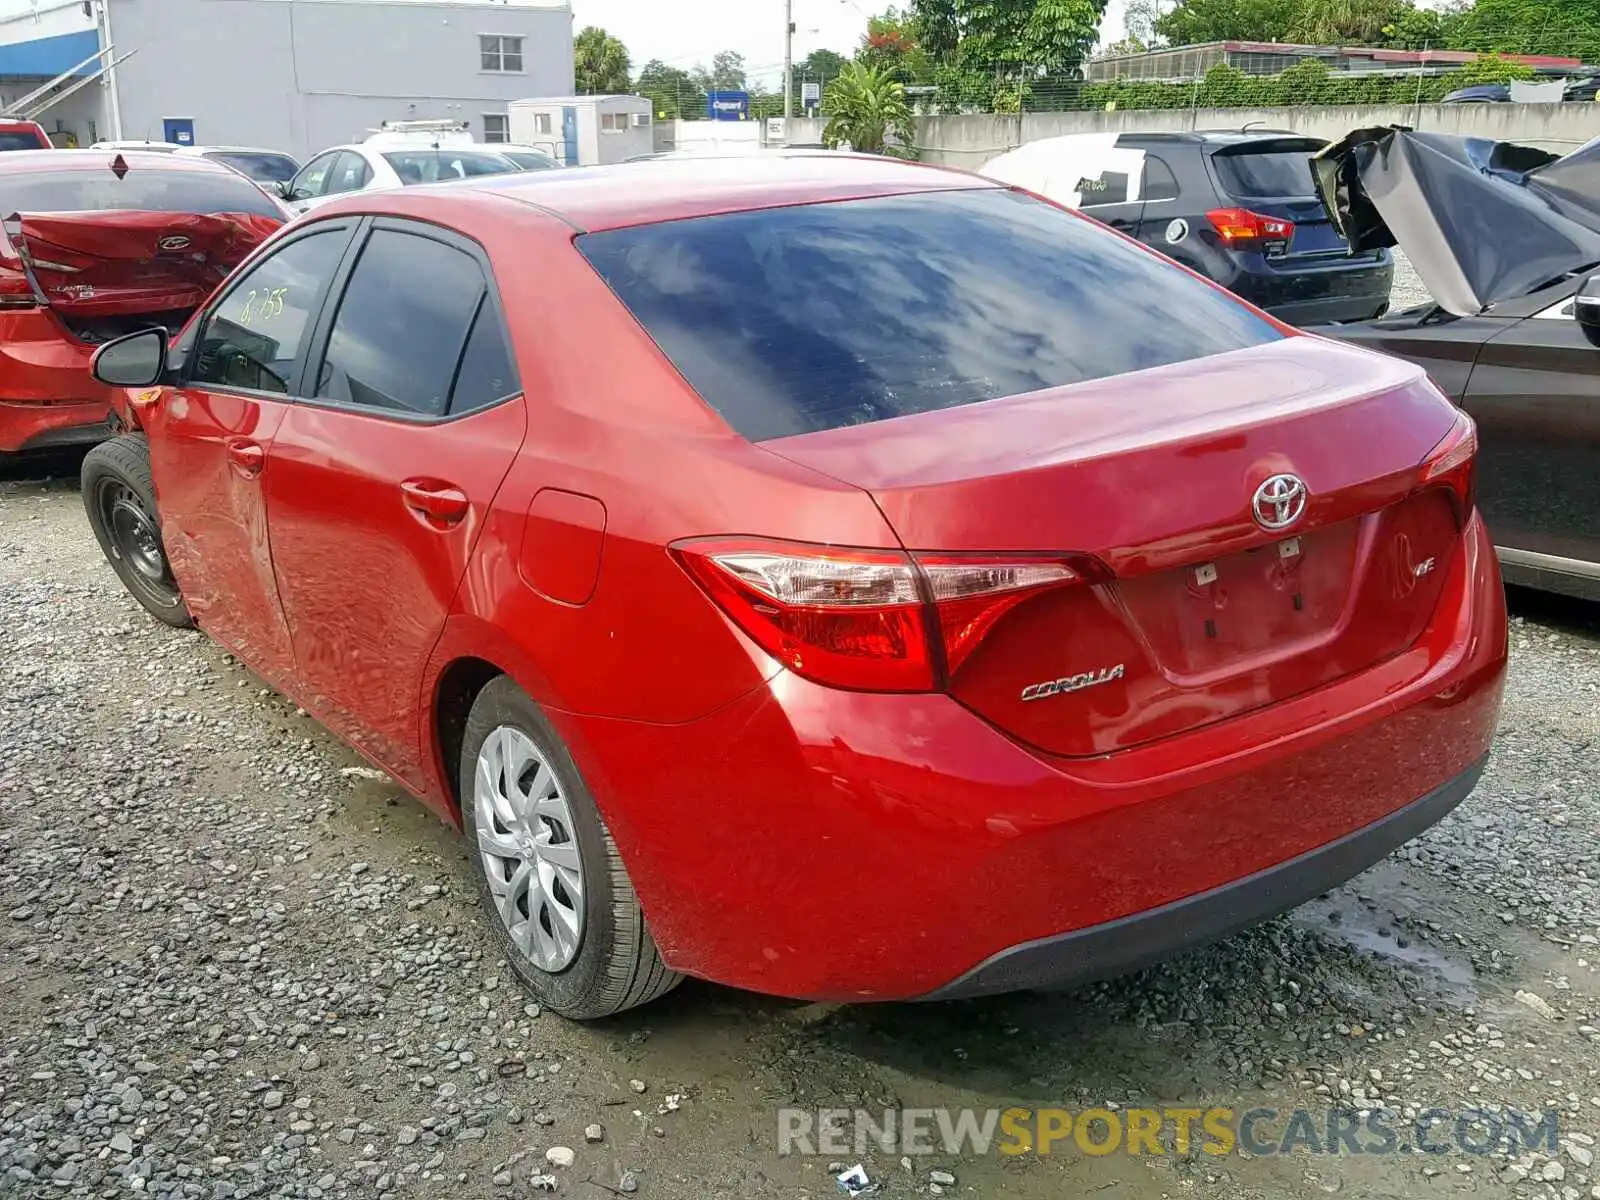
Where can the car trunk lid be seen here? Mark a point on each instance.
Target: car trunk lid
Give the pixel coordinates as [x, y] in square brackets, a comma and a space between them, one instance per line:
[1186, 610]
[112, 263]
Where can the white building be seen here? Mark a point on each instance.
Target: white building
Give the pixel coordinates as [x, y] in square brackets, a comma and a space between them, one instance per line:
[293, 75]
[584, 131]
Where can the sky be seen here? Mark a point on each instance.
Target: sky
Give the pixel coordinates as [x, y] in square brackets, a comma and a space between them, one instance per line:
[692, 31]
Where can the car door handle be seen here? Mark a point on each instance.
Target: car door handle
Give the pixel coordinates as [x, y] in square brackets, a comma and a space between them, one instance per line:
[437, 503]
[246, 457]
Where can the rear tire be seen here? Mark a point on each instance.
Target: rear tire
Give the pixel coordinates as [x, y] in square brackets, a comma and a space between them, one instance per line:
[549, 874]
[120, 498]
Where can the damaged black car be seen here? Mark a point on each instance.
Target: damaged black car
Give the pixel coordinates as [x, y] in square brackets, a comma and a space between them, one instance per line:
[1507, 240]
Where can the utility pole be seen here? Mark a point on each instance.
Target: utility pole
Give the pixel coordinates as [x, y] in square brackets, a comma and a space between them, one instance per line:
[788, 59]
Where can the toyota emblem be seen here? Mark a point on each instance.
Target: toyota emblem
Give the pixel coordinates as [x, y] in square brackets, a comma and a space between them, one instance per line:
[1280, 501]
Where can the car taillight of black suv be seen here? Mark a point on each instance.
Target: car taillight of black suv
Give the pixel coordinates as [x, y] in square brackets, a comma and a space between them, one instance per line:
[1236, 206]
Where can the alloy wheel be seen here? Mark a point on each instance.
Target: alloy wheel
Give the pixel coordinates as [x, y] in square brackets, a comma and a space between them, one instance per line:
[528, 847]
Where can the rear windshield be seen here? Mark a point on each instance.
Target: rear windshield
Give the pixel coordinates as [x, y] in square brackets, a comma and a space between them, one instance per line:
[16, 140]
[431, 166]
[793, 320]
[265, 168]
[142, 188]
[1274, 174]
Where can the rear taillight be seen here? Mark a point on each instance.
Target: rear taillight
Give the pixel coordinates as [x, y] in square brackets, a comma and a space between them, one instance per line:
[865, 620]
[1241, 229]
[1453, 463]
[15, 290]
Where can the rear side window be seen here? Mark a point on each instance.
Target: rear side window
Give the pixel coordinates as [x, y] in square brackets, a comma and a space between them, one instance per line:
[1159, 181]
[1260, 175]
[142, 189]
[792, 320]
[11, 139]
[398, 339]
[431, 166]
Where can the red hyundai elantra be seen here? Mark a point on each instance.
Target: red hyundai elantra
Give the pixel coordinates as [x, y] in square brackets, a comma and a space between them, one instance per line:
[826, 575]
[94, 244]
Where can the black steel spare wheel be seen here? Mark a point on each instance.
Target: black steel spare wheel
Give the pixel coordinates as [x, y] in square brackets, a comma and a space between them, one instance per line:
[120, 499]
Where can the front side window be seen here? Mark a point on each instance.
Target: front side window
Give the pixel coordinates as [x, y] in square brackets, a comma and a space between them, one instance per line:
[790, 320]
[500, 53]
[397, 339]
[255, 337]
[313, 177]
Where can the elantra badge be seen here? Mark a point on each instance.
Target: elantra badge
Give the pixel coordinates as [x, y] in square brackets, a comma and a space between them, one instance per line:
[1072, 683]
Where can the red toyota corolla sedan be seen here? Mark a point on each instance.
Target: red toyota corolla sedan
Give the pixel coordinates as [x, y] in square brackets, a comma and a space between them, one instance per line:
[826, 575]
[95, 244]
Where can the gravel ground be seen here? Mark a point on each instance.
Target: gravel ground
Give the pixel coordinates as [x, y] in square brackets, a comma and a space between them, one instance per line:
[233, 964]
[1407, 289]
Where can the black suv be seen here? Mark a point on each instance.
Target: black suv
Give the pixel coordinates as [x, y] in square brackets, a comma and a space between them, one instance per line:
[1237, 206]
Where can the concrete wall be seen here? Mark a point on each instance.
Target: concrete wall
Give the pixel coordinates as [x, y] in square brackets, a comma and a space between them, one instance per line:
[301, 75]
[710, 135]
[969, 142]
[30, 20]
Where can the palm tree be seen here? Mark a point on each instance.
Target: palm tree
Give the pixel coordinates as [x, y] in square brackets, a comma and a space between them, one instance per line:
[867, 109]
[600, 63]
[1341, 21]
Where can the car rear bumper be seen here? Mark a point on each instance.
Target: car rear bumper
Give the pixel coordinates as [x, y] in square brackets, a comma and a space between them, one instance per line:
[47, 396]
[33, 426]
[1117, 947]
[1327, 291]
[1305, 313]
[841, 846]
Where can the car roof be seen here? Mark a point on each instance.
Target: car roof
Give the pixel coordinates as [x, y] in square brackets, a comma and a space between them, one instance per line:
[643, 193]
[101, 160]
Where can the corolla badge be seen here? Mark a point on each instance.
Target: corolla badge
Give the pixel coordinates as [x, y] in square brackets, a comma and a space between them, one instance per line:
[173, 241]
[1073, 683]
[1280, 501]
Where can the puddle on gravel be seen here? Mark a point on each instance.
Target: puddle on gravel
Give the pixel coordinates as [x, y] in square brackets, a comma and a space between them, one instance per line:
[1380, 933]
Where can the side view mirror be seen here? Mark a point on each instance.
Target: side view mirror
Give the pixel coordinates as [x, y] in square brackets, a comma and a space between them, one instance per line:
[1586, 305]
[133, 360]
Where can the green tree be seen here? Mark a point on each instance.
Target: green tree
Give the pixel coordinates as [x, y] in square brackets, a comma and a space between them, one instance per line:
[1414, 28]
[1128, 45]
[727, 73]
[672, 90]
[1344, 22]
[868, 110]
[893, 43]
[821, 67]
[600, 63]
[1195, 21]
[1025, 38]
[1139, 19]
[1566, 27]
